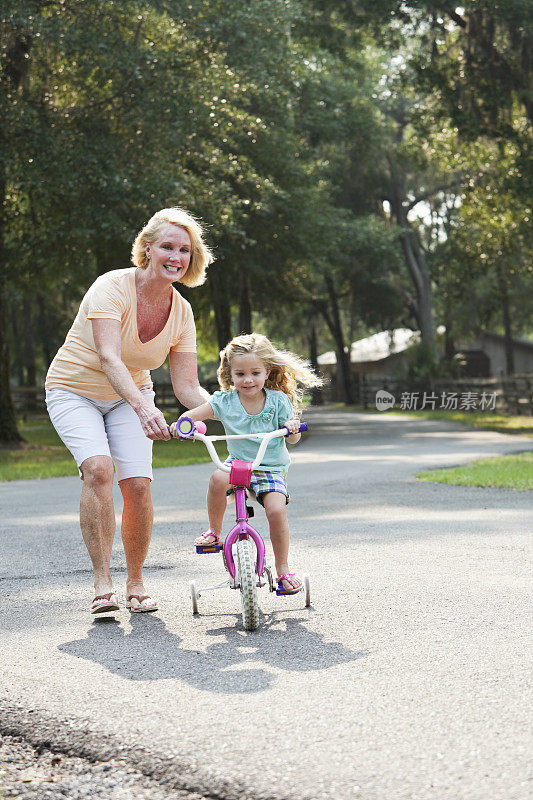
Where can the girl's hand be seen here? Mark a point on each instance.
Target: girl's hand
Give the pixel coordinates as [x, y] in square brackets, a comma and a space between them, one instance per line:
[153, 422]
[293, 425]
[173, 428]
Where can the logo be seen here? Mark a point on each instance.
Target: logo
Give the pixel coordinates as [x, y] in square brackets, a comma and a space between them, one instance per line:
[384, 400]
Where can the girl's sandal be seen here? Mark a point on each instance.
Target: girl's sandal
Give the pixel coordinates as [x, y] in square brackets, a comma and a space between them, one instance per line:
[288, 578]
[204, 546]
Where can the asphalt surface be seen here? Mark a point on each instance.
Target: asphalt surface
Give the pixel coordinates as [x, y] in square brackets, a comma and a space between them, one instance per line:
[407, 678]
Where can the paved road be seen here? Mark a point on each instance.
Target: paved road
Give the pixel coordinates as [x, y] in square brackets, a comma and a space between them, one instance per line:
[406, 679]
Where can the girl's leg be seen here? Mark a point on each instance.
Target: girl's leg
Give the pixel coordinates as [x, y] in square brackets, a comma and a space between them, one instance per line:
[216, 505]
[137, 521]
[97, 517]
[276, 510]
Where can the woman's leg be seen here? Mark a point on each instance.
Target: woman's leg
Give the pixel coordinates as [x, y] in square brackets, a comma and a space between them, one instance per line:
[132, 456]
[275, 505]
[79, 422]
[137, 522]
[97, 517]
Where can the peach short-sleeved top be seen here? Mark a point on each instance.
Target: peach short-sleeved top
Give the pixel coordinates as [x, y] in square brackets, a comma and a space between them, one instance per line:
[77, 367]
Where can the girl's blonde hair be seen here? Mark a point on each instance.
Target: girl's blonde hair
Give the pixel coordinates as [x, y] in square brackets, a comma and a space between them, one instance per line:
[286, 370]
[201, 255]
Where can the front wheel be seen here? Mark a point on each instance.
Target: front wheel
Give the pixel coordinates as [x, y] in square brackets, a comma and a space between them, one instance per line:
[248, 584]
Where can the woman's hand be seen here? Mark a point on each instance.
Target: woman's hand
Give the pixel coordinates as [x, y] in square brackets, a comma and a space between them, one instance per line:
[152, 420]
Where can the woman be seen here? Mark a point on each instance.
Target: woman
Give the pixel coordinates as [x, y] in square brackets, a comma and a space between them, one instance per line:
[99, 392]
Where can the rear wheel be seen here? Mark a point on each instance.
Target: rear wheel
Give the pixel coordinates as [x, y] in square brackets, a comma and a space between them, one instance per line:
[248, 584]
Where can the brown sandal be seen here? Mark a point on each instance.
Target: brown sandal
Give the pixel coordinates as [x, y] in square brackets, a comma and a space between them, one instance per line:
[105, 602]
[140, 599]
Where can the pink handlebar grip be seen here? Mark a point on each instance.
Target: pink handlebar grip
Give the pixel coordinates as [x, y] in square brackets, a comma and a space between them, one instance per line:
[200, 426]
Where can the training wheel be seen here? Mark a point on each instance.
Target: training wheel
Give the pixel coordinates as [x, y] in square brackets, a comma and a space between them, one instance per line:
[307, 590]
[194, 596]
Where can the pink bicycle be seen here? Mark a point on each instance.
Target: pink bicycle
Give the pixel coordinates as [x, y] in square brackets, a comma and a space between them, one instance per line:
[243, 550]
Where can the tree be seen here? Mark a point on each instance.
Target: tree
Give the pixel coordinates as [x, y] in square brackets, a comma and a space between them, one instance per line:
[107, 116]
[485, 260]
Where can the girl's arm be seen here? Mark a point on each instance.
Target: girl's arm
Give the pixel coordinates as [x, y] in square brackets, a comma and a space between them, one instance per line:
[293, 425]
[205, 411]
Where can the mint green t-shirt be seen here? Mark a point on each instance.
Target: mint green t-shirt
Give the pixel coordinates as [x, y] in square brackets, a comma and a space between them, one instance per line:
[228, 408]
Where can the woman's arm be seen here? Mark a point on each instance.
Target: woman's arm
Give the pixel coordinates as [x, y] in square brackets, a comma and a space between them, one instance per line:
[107, 338]
[184, 376]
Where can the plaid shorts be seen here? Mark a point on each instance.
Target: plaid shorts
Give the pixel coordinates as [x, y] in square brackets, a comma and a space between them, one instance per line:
[263, 482]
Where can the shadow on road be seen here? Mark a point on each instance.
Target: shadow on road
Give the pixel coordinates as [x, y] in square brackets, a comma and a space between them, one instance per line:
[234, 664]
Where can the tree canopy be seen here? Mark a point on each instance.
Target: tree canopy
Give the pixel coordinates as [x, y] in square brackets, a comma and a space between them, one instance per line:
[359, 165]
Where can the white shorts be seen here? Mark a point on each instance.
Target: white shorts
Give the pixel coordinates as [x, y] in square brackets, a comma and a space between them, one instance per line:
[96, 428]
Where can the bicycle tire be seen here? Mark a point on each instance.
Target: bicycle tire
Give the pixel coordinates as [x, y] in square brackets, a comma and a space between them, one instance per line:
[248, 584]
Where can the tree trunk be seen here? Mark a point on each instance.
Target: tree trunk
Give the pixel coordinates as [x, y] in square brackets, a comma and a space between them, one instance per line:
[221, 305]
[8, 423]
[449, 345]
[316, 394]
[507, 327]
[29, 348]
[419, 271]
[333, 320]
[15, 65]
[19, 366]
[44, 335]
[245, 305]
[415, 261]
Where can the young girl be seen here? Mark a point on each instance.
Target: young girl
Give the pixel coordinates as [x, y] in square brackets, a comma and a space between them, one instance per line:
[259, 394]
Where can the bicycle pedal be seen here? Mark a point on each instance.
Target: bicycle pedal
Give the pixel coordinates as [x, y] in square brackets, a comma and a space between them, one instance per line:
[216, 547]
[286, 592]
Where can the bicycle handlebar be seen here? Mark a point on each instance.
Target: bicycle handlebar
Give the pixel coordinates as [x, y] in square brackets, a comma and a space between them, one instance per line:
[187, 429]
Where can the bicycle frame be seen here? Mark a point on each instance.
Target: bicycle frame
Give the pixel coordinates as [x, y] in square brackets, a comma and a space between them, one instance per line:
[240, 475]
[246, 575]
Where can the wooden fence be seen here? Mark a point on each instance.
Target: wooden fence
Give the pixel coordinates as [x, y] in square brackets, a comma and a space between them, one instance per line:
[512, 395]
[30, 399]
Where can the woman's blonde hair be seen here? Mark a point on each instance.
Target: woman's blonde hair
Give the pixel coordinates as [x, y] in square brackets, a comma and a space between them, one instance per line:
[286, 370]
[201, 255]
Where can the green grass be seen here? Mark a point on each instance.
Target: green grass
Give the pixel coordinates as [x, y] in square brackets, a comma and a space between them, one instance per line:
[502, 472]
[485, 421]
[43, 454]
